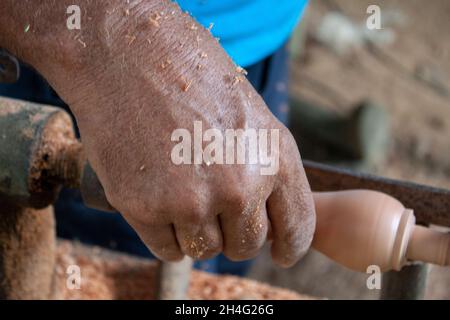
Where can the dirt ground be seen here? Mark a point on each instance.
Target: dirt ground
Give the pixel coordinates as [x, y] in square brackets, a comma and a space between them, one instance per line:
[410, 78]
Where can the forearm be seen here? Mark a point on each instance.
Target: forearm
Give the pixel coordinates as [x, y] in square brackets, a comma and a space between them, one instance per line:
[146, 37]
[14, 21]
[34, 30]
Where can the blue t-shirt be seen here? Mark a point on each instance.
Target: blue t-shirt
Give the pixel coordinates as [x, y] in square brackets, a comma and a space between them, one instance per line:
[249, 30]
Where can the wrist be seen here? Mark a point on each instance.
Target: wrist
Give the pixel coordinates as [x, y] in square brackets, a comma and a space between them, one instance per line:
[141, 40]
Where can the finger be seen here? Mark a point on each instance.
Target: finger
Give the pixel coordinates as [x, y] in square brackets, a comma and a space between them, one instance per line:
[244, 228]
[269, 232]
[161, 241]
[200, 240]
[292, 217]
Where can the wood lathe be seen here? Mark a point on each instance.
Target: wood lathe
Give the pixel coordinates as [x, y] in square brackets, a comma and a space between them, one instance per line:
[39, 153]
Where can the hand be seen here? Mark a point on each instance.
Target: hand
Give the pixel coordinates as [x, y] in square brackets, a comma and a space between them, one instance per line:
[142, 71]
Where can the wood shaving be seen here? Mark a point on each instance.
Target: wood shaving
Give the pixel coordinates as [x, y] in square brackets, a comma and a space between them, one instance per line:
[82, 43]
[187, 85]
[241, 70]
[237, 79]
[154, 20]
[109, 275]
[166, 63]
[130, 39]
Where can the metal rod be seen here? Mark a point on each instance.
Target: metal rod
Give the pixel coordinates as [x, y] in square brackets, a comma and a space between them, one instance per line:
[406, 284]
[174, 279]
[431, 205]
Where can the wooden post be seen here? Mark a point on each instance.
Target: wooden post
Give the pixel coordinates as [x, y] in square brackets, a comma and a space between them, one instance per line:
[27, 252]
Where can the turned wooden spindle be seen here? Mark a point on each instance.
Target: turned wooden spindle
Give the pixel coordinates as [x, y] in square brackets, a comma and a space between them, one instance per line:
[359, 228]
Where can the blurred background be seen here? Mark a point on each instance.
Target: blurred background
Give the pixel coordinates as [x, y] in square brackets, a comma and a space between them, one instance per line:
[393, 85]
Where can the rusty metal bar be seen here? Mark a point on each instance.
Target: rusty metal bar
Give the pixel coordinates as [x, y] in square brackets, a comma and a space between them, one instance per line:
[431, 205]
[406, 284]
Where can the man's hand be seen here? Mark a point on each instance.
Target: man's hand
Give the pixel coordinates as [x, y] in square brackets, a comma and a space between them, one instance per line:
[132, 75]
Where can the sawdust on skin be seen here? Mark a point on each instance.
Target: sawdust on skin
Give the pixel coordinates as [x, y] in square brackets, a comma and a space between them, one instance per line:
[253, 221]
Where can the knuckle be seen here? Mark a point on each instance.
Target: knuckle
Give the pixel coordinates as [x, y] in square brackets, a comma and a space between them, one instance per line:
[171, 255]
[234, 255]
[290, 237]
[252, 247]
[293, 246]
[247, 250]
[202, 248]
[236, 199]
[211, 251]
[235, 194]
[194, 216]
[284, 261]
